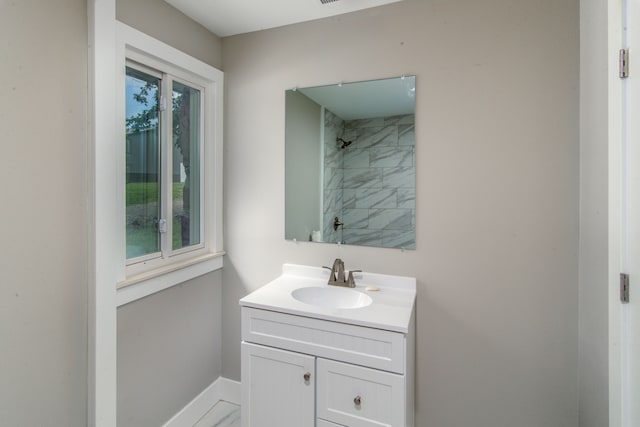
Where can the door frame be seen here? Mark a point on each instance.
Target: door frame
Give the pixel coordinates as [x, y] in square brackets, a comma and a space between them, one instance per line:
[615, 209]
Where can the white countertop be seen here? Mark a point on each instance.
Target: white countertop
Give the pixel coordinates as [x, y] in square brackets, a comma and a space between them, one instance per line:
[391, 308]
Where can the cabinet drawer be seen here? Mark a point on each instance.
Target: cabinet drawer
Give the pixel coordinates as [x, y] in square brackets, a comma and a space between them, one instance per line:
[360, 345]
[325, 423]
[359, 397]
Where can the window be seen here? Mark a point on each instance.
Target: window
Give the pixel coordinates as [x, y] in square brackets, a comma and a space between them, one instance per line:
[163, 179]
[143, 168]
[171, 169]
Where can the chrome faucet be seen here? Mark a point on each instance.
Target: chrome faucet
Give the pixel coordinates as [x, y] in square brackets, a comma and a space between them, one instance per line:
[337, 276]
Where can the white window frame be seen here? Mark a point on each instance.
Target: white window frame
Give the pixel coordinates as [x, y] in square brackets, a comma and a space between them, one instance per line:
[166, 254]
[139, 279]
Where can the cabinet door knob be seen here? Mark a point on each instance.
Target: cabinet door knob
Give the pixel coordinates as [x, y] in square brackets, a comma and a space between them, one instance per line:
[307, 376]
[357, 400]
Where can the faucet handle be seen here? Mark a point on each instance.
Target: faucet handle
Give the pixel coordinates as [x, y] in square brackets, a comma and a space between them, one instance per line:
[337, 271]
[332, 275]
[352, 281]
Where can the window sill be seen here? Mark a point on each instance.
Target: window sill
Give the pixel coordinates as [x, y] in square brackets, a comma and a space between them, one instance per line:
[145, 284]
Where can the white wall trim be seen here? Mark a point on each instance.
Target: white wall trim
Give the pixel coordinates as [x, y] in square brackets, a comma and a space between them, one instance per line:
[230, 390]
[145, 278]
[101, 334]
[221, 389]
[156, 283]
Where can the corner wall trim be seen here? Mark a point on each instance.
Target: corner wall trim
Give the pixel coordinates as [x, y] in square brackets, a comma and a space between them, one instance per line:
[221, 389]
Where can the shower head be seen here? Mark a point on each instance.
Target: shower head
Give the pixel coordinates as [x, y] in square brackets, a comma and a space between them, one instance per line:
[342, 143]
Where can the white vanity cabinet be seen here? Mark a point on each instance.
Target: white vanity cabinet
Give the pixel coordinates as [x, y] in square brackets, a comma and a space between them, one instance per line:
[314, 363]
[299, 371]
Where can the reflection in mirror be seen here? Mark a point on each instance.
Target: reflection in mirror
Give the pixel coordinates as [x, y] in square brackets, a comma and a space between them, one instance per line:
[350, 163]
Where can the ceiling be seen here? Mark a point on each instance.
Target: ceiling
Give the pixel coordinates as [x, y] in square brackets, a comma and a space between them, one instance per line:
[360, 100]
[229, 17]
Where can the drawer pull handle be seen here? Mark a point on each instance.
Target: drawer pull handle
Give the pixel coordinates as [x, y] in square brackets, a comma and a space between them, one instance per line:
[357, 400]
[307, 376]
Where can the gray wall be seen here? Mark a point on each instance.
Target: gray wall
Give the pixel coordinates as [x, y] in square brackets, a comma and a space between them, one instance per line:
[303, 166]
[168, 350]
[169, 344]
[593, 337]
[497, 169]
[43, 170]
[159, 19]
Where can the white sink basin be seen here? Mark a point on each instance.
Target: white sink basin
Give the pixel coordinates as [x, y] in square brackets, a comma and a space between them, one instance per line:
[331, 297]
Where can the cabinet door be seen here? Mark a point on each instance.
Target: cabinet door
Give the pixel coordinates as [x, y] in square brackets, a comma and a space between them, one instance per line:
[277, 387]
[359, 397]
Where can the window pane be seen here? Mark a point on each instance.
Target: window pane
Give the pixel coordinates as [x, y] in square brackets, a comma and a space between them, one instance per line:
[186, 166]
[142, 163]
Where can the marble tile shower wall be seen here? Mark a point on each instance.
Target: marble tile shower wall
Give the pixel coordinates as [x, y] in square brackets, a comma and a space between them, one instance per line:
[371, 183]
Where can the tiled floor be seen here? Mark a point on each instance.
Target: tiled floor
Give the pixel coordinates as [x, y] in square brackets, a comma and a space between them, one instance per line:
[223, 414]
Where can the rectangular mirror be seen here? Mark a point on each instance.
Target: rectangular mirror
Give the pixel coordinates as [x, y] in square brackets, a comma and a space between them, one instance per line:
[350, 163]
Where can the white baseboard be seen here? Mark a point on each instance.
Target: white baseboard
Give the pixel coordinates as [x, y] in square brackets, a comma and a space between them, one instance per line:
[221, 389]
[230, 390]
